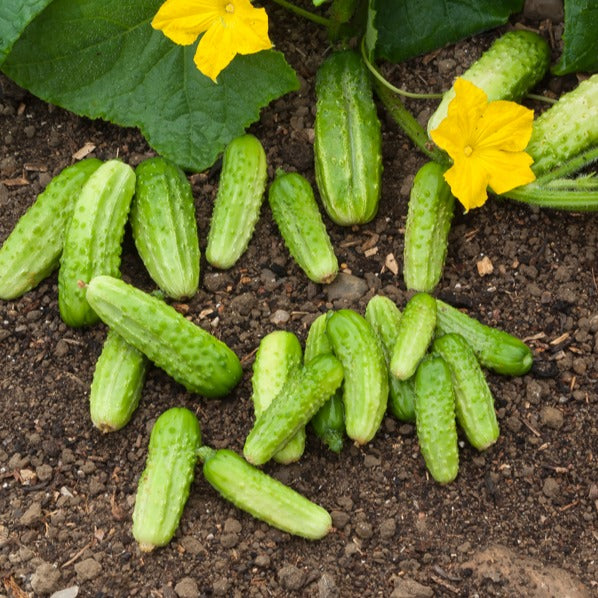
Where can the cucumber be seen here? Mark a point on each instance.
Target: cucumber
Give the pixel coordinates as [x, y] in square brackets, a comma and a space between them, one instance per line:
[474, 403]
[278, 354]
[435, 418]
[384, 316]
[193, 357]
[495, 349]
[31, 252]
[365, 392]
[300, 223]
[164, 485]
[429, 217]
[92, 245]
[164, 227]
[567, 128]
[305, 391]
[117, 383]
[237, 206]
[347, 140]
[263, 496]
[512, 65]
[414, 335]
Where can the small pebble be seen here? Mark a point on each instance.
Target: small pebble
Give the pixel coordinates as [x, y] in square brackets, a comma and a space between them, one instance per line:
[187, 588]
[551, 417]
[291, 577]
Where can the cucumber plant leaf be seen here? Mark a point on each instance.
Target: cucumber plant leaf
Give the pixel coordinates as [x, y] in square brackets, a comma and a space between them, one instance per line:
[104, 60]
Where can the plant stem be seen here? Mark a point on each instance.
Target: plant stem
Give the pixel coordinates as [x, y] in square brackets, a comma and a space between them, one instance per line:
[205, 452]
[573, 201]
[535, 96]
[580, 161]
[306, 14]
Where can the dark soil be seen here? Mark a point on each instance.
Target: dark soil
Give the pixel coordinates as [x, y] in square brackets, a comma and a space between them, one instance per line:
[520, 520]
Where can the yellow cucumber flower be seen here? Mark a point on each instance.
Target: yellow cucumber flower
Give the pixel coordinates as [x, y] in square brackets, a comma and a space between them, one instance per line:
[230, 27]
[486, 141]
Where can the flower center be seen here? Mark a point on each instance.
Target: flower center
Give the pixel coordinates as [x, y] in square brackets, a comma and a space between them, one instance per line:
[468, 150]
[230, 8]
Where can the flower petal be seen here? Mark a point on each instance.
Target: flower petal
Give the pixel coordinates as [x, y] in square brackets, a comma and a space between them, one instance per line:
[215, 51]
[250, 28]
[504, 125]
[468, 182]
[507, 169]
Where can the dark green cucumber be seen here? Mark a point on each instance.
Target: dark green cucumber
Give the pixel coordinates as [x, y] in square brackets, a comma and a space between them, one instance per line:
[495, 349]
[164, 227]
[512, 65]
[32, 250]
[429, 217]
[238, 202]
[193, 357]
[365, 389]
[384, 316]
[305, 391]
[278, 354]
[474, 403]
[435, 418]
[347, 141]
[300, 223]
[117, 383]
[414, 335]
[164, 485]
[92, 245]
[263, 496]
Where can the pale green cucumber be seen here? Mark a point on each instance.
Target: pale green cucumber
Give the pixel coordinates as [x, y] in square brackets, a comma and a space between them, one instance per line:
[32, 250]
[117, 383]
[263, 496]
[189, 354]
[278, 354]
[169, 471]
[237, 206]
[92, 245]
[164, 227]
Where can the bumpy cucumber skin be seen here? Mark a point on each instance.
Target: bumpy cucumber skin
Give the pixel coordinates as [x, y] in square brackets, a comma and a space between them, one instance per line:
[429, 217]
[92, 245]
[567, 128]
[237, 206]
[164, 485]
[495, 349]
[365, 392]
[300, 223]
[278, 354]
[347, 141]
[512, 65]
[415, 333]
[164, 227]
[474, 403]
[435, 419]
[384, 316]
[304, 392]
[193, 357]
[264, 497]
[32, 250]
[117, 384]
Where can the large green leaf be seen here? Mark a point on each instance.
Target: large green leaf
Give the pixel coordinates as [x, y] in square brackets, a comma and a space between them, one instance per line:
[406, 28]
[104, 60]
[15, 15]
[581, 38]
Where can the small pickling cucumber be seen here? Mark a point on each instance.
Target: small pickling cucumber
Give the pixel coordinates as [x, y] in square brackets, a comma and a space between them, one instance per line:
[237, 206]
[300, 223]
[365, 389]
[117, 383]
[567, 128]
[189, 354]
[278, 354]
[164, 485]
[32, 250]
[495, 349]
[263, 496]
[414, 335]
[435, 418]
[429, 217]
[512, 65]
[383, 315]
[474, 404]
[347, 140]
[92, 245]
[164, 227]
[307, 388]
